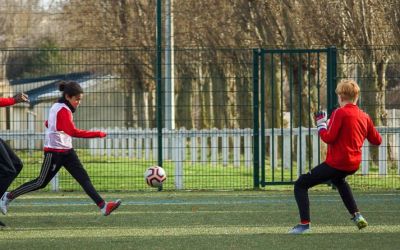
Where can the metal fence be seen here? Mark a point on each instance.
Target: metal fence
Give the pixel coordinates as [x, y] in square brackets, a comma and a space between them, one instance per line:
[207, 112]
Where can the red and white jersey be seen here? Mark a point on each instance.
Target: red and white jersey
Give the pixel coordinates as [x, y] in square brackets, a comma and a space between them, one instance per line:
[61, 129]
[56, 139]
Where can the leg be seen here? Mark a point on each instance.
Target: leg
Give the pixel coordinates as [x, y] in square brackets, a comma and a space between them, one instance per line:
[49, 169]
[75, 168]
[345, 193]
[10, 166]
[348, 199]
[317, 175]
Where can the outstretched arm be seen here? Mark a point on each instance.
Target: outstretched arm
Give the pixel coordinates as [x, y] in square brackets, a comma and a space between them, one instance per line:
[4, 102]
[20, 97]
[65, 123]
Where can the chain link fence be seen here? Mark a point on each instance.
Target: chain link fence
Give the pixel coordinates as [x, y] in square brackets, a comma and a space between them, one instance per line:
[207, 114]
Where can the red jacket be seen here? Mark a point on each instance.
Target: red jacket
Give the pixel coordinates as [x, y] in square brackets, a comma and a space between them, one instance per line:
[6, 101]
[349, 126]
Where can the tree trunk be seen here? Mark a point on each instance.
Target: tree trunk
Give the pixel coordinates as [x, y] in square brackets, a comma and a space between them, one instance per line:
[183, 97]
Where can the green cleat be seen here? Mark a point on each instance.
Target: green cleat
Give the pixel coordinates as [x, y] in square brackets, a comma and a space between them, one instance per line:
[360, 221]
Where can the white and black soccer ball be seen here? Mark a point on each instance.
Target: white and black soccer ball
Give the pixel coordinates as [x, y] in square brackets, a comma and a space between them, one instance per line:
[155, 176]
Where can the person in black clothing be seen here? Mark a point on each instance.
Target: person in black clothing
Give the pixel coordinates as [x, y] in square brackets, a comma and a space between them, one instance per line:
[10, 164]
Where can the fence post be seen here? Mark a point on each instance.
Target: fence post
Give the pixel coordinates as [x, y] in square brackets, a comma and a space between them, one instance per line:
[108, 144]
[131, 146]
[116, 142]
[273, 149]
[316, 151]
[365, 158]
[179, 152]
[124, 143]
[301, 154]
[331, 78]
[154, 134]
[287, 148]
[203, 140]
[247, 147]
[398, 152]
[214, 146]
[256, 120]
[54, 183]
[236, 149]
[225, 147]
[168, 134]
[139, 143]
[382, 159]
[193, 146]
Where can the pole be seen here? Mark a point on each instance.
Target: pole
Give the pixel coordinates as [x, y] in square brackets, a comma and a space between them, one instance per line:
[159, 82]
[169, 68]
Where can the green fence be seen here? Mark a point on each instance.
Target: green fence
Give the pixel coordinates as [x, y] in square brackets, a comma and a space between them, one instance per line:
[292, 85]
[216, 107]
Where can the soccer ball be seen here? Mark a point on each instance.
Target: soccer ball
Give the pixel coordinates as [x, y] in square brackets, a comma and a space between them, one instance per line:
[155, 176]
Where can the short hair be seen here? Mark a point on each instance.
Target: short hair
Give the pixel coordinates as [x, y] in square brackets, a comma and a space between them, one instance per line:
[348, 90]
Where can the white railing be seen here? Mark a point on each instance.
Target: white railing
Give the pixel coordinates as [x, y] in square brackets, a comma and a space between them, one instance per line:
[230, 146]
[226, 147]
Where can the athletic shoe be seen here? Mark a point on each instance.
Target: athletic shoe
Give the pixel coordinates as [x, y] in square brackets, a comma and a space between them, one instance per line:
[110, 206]
[4, 202]
[2, 224]
[300, 229]
[360, 221]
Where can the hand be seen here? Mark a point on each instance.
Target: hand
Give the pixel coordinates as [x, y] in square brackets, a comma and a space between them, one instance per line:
[321, 119]
[21, 97]
[102, 134]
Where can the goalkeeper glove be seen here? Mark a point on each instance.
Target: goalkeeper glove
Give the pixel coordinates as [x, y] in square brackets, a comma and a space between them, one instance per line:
[321, 119]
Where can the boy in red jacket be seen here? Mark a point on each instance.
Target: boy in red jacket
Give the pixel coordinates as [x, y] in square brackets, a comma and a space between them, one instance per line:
[345, 134]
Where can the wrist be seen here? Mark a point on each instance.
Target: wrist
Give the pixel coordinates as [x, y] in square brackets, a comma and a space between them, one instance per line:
[322, 126]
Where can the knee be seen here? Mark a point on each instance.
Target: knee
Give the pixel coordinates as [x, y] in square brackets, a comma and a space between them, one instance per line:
[41, 184]
[300, 183]
[338, 182]
[18, 168]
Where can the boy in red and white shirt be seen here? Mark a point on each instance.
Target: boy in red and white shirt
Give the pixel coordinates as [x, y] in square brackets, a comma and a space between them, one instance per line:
[58, 150]
[345, 134]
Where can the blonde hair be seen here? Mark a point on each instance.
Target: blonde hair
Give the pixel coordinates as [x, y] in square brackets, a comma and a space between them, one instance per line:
[348, 90]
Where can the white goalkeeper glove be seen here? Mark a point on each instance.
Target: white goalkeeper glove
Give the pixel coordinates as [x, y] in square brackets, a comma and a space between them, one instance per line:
[320, 119]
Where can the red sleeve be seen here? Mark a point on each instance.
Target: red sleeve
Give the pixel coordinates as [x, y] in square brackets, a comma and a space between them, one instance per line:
[66, 124]
[329, 135]
[7, 102]
[373, 135]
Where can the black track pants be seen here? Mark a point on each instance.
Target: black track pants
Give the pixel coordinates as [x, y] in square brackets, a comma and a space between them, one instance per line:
[10, 166]
[52, 163]
[321, 174]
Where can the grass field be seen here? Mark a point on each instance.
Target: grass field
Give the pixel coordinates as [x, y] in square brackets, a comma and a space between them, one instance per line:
[198, 220]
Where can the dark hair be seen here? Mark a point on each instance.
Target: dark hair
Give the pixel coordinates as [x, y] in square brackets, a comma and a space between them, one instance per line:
[70, 88]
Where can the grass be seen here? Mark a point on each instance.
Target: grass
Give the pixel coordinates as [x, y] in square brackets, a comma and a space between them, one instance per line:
[198, 220]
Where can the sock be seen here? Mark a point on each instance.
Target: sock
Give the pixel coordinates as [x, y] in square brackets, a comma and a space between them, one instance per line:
[101, 204]
[10, 196]
[304, 222]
